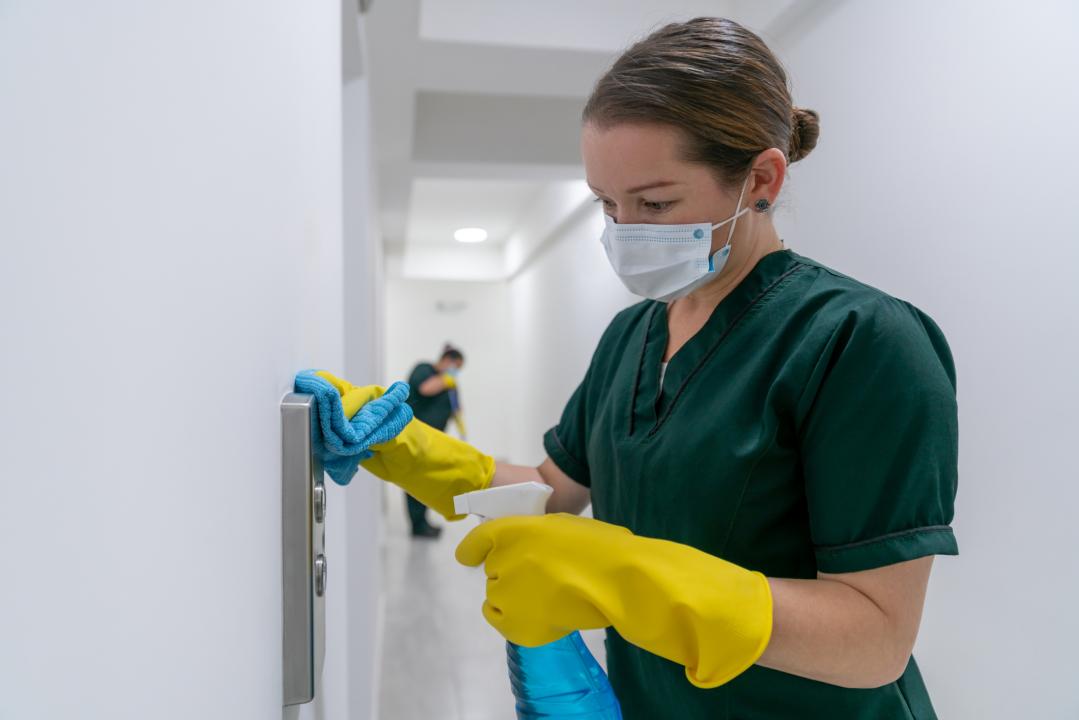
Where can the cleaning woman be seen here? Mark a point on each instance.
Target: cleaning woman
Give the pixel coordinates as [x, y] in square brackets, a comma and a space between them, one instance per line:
[769, 446]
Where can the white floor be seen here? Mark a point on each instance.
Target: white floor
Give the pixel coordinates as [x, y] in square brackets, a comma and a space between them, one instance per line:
[441, 660]
[440, 657]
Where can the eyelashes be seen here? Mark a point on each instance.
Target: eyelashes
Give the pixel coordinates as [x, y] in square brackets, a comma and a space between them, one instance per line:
[655, 207]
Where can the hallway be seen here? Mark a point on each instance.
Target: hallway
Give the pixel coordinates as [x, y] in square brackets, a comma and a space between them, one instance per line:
[434, 630]
[440, 658]
[202, 204]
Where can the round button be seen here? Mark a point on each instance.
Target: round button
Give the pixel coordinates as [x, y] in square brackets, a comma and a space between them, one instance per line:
[320, 503]
[320, 575]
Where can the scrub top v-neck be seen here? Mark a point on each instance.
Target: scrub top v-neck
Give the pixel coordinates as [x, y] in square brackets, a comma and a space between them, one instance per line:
[810, 425]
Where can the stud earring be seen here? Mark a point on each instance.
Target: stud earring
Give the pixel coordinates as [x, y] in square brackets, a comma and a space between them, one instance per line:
[762, 205]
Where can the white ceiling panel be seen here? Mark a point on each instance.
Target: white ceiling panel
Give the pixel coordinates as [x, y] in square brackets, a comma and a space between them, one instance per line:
[599, 25]
[476, 112]
[440, 206]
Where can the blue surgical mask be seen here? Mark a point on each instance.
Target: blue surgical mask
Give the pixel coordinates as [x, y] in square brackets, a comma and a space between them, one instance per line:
[667, 262]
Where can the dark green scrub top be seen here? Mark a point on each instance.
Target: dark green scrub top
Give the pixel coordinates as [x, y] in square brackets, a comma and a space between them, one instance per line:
[809, 426]
[434, 410]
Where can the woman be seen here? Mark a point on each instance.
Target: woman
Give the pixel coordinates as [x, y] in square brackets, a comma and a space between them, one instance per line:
[433, 401]
[769, 446]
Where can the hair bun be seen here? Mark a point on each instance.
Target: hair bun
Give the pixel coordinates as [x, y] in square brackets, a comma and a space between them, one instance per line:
[805, 129]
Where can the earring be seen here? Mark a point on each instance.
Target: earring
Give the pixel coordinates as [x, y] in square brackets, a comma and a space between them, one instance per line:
[762, 205]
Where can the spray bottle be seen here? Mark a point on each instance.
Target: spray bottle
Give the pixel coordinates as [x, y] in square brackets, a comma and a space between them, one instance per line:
[560, 679]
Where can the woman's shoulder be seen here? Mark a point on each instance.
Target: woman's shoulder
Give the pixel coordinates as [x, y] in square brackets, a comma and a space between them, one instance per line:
[838, 305]
[837, 294]
[421, 372]
[838, 285]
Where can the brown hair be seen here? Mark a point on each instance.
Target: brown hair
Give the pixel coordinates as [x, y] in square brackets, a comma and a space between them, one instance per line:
[715, 81]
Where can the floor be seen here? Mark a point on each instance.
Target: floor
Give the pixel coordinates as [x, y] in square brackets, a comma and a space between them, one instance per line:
[440, 657]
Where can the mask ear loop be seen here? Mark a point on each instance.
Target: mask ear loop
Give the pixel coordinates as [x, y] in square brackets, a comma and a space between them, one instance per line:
[733, 219]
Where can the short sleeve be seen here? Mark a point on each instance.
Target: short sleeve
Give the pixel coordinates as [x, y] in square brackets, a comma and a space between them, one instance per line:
[566, 442]
[420, 374]
[879, 441]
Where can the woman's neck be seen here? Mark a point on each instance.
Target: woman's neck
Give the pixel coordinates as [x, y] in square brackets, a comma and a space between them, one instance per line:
[742, 260]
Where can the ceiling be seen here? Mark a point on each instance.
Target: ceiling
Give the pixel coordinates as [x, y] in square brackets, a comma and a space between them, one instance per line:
[476, 108]
[441, 205]
[593, 25]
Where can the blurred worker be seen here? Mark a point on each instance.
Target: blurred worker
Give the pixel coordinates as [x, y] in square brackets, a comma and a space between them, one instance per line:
[434, 401]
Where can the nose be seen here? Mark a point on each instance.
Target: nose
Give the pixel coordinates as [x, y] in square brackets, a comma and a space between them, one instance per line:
[624, 218]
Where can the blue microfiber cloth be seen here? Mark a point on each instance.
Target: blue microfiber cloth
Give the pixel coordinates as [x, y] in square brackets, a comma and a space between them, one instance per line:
[342, 443]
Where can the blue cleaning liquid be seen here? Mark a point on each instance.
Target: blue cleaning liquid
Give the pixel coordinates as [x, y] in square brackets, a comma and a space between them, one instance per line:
[560, 680]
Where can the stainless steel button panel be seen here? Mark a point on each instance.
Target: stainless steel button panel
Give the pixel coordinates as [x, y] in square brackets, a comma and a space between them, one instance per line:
[303, 552]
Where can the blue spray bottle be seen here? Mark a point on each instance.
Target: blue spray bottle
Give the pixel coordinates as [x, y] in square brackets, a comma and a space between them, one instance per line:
[560, 679]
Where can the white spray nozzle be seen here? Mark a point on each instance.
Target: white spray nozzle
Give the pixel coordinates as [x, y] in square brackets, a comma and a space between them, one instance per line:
[529, 498]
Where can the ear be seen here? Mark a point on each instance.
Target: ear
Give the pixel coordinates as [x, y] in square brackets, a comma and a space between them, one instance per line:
[766, 176]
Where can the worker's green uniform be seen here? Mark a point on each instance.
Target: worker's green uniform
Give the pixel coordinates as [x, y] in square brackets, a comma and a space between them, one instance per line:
[809, 426]
[434, 410]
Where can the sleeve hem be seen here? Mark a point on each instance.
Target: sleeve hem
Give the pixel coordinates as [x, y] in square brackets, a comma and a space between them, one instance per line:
[566, 462]
[887, 549]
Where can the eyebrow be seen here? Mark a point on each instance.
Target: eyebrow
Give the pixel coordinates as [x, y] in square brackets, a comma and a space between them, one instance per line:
[641, 188]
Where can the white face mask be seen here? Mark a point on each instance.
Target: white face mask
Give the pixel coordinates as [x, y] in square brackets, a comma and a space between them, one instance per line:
[667, 262]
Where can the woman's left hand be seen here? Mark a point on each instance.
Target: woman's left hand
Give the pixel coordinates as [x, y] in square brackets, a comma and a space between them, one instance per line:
[550, 575]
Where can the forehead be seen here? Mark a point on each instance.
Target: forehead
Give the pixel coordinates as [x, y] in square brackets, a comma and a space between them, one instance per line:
[624, 156]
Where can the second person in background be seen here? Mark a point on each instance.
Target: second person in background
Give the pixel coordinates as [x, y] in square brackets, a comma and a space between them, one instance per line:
[434, 401]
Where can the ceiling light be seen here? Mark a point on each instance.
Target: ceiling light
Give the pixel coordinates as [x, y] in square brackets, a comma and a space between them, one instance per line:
[470, 235]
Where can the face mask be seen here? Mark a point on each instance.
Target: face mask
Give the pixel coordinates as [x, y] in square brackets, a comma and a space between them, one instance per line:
[667, 262]
[453, 370]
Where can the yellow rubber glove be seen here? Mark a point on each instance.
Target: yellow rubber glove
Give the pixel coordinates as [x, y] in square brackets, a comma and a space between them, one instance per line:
[353, 397]
[553, 574]
[449, 380]
[429, 465]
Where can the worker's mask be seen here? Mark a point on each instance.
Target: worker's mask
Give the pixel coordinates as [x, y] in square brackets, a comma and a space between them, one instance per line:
[667, 262]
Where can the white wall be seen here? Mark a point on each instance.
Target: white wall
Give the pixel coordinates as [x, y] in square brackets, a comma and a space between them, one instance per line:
[171, 224]
[478, 324]
[363, 295]
[470, 263]
[561, 302]
[945, 175]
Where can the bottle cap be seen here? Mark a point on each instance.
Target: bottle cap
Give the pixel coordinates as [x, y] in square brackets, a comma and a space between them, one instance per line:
[528, 498]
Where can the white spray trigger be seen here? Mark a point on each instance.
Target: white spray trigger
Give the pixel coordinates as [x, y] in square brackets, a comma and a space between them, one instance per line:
[528, 498]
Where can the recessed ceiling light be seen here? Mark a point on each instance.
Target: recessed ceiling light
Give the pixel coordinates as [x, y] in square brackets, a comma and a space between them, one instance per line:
[470, 235]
